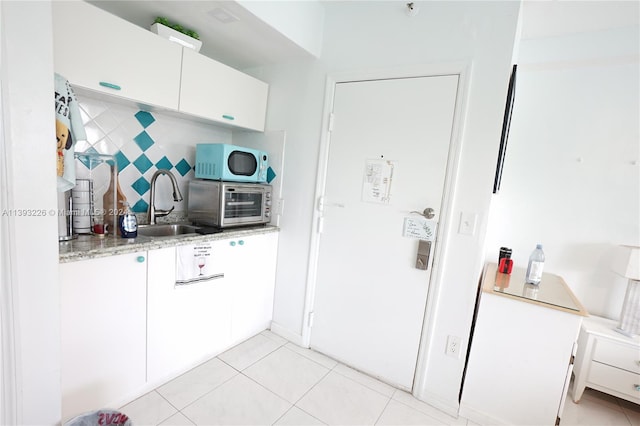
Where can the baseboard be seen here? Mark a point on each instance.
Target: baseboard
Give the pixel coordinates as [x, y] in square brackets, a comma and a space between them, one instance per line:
[447, 406]
[286, 333]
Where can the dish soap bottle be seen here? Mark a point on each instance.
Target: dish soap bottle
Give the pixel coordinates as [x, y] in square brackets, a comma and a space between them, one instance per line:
[127, 223]
[535, 267]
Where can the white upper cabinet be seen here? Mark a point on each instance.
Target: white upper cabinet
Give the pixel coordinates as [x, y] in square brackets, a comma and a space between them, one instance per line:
[105, 54]
[215, 91]
[98, 51]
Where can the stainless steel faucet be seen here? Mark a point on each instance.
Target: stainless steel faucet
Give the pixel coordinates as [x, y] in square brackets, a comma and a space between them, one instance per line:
[177, 196]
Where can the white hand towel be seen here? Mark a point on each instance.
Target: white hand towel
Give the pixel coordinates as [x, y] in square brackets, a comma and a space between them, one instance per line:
[69, 130]
[196, 263]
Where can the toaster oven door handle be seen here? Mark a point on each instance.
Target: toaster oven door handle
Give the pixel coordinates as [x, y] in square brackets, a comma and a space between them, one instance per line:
[240, 203]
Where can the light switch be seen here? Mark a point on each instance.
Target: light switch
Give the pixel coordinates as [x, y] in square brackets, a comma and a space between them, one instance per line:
[467, 223]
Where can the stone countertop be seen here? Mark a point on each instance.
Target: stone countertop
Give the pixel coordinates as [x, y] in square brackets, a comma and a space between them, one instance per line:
[90, 247]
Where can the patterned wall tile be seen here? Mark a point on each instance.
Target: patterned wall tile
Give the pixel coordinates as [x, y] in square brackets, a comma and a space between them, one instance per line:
[143, 142]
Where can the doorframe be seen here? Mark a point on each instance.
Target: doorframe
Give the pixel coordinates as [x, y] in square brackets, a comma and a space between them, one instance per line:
[463, 71]
[9, 333]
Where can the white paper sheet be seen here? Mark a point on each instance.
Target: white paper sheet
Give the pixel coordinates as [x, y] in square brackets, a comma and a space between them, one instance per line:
[378, 176]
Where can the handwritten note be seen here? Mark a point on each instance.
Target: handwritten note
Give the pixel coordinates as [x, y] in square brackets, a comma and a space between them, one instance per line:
[419, 228]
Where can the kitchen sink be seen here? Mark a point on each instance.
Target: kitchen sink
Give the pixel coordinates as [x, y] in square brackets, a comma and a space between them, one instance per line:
[166, 229]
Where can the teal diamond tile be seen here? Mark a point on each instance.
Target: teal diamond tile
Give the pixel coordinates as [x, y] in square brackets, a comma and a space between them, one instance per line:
[183, 167]
[164, 163]
[271, 175]
[144, 141]
[144, 118]
[141, 186]
[122, 160]
[142, 163]
[140, 206]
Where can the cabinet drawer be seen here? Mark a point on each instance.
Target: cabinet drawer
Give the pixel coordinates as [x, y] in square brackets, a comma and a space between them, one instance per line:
[616, 379]
[617, 355]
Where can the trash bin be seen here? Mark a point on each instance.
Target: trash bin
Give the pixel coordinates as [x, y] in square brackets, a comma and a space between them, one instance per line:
[104, 417]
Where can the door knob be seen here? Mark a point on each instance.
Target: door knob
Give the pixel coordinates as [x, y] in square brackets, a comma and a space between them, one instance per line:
[428, 213]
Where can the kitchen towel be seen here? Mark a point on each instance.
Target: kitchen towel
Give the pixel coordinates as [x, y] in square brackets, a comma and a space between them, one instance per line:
[69, 130]
[195, 263]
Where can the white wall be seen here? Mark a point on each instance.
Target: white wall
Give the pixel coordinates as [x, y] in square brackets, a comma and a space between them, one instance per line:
[572, 176]
[299, 21]
[362, 36]
[28, 143]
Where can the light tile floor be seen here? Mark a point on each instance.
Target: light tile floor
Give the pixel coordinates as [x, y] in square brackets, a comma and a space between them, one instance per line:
[269, 381]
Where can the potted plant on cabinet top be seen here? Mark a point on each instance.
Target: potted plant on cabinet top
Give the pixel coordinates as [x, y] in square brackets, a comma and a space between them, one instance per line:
[176, 33]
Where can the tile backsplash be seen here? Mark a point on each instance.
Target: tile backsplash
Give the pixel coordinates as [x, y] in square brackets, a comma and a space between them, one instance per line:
[142, 142]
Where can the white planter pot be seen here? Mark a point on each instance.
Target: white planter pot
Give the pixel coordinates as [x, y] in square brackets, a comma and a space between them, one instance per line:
[176, 36]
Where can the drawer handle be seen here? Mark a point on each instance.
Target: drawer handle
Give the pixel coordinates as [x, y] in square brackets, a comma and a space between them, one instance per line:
[228, 117]
[140, 259]
[110, 85]
[232, 243]
[241, 242]
[637, 387]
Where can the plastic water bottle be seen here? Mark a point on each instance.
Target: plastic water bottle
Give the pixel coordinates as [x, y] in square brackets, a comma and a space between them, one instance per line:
[535, 267]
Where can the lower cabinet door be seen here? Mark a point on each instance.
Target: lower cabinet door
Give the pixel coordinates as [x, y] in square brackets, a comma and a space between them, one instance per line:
[252, 267]
[187, 323]
[103, 327]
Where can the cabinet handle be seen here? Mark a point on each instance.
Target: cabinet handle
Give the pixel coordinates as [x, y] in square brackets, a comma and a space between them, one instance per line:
[637, 387]
[140, 259]
[241, 242]
[228, 117]
[110, 85]
[232, 243]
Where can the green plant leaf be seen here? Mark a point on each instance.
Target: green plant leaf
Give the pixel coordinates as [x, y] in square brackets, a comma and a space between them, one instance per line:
[164, 21]
[161, 20]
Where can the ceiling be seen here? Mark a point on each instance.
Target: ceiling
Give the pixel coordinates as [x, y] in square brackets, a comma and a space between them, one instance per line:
[248, 41]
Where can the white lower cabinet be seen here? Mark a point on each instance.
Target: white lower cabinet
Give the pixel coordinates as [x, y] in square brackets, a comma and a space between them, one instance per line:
[251, 270]
[127, 327]
[103, 329]
[520, 362]
[187, 324]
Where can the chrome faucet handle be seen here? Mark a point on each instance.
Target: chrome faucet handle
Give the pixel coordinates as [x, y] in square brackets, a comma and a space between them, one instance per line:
[161, 213]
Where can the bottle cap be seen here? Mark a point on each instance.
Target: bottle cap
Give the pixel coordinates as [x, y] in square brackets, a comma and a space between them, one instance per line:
[538, 246]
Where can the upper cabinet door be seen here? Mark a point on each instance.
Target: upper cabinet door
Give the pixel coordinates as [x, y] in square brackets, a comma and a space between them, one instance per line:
[101, 52]
[217, 92]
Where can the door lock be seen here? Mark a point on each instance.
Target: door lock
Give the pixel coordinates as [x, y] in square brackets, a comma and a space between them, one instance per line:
[422, 260]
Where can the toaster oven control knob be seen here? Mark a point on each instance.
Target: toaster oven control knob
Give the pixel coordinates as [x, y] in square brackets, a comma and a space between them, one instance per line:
[268, 202]
[267, 214]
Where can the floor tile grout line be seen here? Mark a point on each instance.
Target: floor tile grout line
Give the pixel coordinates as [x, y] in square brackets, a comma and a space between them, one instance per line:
[368, 387]
[311, 388]
[259, 359]
[382, 412]
[208, 392]
[168, 402]
[311, 359]
[427, 414]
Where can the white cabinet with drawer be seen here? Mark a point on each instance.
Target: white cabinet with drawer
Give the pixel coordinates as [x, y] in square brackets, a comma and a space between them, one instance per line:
[607, 361]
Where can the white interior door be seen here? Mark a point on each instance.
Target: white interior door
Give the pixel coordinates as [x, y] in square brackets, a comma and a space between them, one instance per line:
[370, 298]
